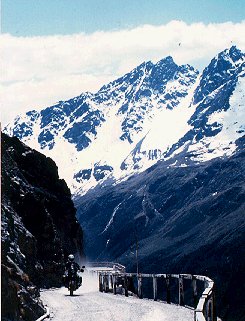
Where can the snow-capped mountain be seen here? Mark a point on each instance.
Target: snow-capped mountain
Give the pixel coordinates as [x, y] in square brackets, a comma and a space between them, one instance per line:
[156, 111]
[219, 115]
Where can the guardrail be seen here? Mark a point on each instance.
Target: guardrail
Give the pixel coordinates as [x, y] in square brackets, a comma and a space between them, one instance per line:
[114, 266]
[203, 305]
[46, 315]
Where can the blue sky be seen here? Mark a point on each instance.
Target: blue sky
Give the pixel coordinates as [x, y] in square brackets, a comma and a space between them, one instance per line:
[53, 50]
[49, 17]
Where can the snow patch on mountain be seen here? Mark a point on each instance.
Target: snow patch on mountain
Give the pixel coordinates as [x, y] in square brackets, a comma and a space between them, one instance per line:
[232, 123]
[155, 112]
[162, 131]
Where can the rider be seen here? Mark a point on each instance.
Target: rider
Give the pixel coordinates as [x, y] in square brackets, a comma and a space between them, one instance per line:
[69, 264]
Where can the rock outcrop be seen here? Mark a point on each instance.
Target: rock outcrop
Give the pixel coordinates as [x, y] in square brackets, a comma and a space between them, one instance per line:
[39, 229]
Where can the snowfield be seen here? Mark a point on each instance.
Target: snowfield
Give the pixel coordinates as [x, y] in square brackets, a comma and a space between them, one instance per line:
[91, 305]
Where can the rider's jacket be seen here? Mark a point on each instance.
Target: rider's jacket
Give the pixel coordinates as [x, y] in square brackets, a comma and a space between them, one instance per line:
[70, 265]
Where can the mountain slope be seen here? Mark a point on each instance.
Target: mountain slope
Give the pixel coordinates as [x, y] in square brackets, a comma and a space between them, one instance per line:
[185, 133]
[39, 229]
[155, 111]
[186, 220]
[219, 114]
[93, 128]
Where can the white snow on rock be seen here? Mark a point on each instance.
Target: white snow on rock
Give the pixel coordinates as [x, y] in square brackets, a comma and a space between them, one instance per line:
[155, 112]
[232, 122]
[91, 305]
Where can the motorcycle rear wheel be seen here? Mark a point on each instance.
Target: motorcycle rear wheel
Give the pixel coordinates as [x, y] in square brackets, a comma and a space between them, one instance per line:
[72, 286]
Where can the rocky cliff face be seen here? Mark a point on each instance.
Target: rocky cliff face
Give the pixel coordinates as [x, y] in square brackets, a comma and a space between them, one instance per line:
[38, 229]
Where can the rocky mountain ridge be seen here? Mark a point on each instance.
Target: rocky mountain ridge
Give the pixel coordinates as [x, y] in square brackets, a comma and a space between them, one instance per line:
[156, 111]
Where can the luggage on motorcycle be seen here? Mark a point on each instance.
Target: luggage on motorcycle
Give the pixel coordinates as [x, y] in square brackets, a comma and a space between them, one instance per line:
[72, 278]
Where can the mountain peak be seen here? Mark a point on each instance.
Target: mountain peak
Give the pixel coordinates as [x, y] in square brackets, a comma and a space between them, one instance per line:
[166, 61]
[233, 53]
[147, 99]
[235, 49]
[222, 68]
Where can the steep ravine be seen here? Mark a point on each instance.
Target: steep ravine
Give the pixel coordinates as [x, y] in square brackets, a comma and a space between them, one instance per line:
[39, 229]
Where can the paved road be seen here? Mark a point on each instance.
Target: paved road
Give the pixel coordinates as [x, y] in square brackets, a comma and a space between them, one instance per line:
[90, 305]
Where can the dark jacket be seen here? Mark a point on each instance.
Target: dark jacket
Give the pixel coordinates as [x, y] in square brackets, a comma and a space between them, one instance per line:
[69, 265]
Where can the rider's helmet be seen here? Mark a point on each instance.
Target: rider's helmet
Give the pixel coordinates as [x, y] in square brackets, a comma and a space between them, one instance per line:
[71, 258]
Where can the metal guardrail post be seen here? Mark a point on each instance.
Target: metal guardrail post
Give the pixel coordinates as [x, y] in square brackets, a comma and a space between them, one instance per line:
[168, 288]
[140, 294]
[114, 284]
[100, 283]
[209, 309]
[126, 285]
[154, 288]
[181, 290]
[214, 313]
[205, 307]
[194, 288]
[106, 283]
[111, 281]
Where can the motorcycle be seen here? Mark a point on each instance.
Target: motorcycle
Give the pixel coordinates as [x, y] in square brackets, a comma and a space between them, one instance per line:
[72, 279]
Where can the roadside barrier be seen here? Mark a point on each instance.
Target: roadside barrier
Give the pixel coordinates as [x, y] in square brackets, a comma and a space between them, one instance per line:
[191, 291]
[203, 304]
[104, 265]
[46, 315]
